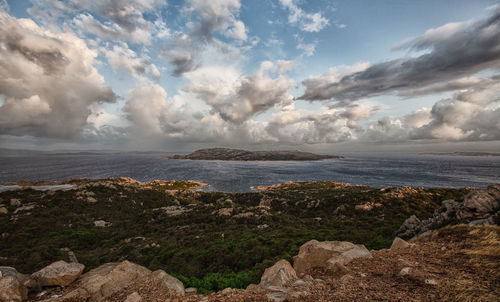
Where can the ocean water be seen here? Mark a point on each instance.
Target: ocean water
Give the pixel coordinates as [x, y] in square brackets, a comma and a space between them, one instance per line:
[375, 170]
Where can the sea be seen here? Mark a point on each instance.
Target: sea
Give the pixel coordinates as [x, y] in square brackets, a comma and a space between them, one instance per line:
[376, 170]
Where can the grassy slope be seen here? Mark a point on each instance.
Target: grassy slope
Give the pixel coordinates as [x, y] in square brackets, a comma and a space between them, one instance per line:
[204, 249]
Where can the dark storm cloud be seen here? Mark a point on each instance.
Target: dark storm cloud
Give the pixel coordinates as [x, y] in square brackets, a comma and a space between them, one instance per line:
[455, 51]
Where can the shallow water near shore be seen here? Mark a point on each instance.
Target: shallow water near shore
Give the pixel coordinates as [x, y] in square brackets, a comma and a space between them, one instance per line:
[377, 170]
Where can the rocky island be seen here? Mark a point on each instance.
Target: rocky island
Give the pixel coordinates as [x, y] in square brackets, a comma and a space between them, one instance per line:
[244, 155]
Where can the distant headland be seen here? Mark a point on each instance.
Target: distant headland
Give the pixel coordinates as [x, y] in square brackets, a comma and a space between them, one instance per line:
[470, 153]
[244, 155]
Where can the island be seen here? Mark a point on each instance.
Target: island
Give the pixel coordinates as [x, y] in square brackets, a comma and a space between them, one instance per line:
[463, 153]
[244, 155]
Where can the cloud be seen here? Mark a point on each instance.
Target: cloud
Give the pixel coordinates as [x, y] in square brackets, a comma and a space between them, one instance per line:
[308, 48]
[329, 125]
[181, 53]
[47, 79]
[452, 52]
[308, 22]
[156, 118]
[121, 57]
[4, 5]
[471, 115]
[206, 19]
[111, 31]
[216, 16]
[124, 20]
[236, 97]
[146, 108]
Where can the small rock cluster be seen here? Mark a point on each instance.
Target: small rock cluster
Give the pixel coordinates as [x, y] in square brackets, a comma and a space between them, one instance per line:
[479, 207]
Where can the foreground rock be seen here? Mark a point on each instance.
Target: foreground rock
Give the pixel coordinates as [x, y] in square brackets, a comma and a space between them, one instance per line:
[13, 285]
[281, 274]
[102, 282]
[58, 273]
[327, 255]
[169, 282]
[108, 280]
[479, 207]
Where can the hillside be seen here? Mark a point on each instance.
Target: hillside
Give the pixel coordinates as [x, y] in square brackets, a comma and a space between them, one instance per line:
[244, 155]
[210, 240]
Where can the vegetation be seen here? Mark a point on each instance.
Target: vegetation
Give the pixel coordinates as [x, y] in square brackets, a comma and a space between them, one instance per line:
[244, 155]
[209, 240]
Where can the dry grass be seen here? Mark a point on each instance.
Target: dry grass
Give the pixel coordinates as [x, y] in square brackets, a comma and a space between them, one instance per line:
[477, 256]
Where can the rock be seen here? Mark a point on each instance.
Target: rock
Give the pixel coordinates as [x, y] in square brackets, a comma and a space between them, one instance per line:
[336, 268]
[72, 257]
[494, 190]
[107, 279]
[253, 287]
[27, 207]
[25, 281]
[91, 199]
[430, 282]
[190, 290]
[227, 291]
[101, 224]
[77, 295]
[173, 284]
[479, 204]
[340, 209]
[325, 254]
[11, 289]
[277, 294]
[3, 210]
[15, 202]
[410, 227]
[262, 226]
[225, 212]
[133, 297]
[280, 274]
[59, 273]
[405, 271]
[300, 283]
[398, 244]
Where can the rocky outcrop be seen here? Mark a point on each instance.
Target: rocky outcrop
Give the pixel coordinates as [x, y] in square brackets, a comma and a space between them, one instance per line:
[13, 285]
[58, 273]
[479, 207]
[12, 290]
[107, 279]
[173, 284]
[280, 274]
[327, 255]
[481, 203]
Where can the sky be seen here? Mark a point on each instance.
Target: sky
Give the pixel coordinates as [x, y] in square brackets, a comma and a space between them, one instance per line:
[327, 76]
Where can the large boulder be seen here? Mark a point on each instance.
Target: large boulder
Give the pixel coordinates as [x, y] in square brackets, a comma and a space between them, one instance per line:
[480, 203]
[327, 254]
[107, 279]
[13, 285]
[173, 284]
[59, 273]
[280, 274]
[410, 227]
[11, 289]
[494, 190]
